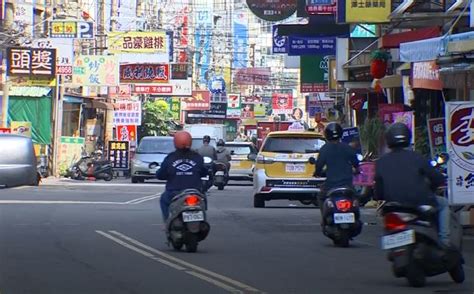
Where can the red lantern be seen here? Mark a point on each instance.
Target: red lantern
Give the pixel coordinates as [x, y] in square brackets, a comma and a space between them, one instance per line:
[378, 68]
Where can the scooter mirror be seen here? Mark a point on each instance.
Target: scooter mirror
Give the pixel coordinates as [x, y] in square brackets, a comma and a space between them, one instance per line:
[312, 160]
[207, 160]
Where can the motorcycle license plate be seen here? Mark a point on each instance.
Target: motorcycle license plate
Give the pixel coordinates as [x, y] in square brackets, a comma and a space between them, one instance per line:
[344, 218]
[220, 173]
[193, 216]
[398, 240]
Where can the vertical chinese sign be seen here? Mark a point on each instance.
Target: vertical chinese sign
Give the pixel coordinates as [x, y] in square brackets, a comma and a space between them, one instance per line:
[240, 27]
[96, 70]
[119, 154]
[233, 106]
[437, 136]
[460, 146]
[175, 108]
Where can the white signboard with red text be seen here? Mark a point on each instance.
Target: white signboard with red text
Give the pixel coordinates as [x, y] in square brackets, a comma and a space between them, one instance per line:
[460, 146]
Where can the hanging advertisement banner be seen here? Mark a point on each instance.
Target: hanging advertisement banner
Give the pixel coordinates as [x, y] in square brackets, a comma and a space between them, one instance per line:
[144, 73]
[460, 146]
[203, 21]
[253, 76]
[280, 43]
[5, 131]
[22, 128]
[241, 36]
[126, 133]
[386, 111]
[314, 74]
[282, 103]
[119, 154]
[96, 70]
[200, 100]
[317, 7]
[137, 42]
[70, 29]
[437, 136]
[179, 71]
[363, 11]
[248, 110]
[122, 92]
[425, 75]
[311, 46]
[172, 88]
[127, 113]
[233, 106]
[37, 62]
[217, 110]
[274, 10]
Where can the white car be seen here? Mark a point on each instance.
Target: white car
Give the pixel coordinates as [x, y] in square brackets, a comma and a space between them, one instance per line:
[149, 156]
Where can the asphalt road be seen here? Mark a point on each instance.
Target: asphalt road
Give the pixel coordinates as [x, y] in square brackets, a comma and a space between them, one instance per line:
[108, 238]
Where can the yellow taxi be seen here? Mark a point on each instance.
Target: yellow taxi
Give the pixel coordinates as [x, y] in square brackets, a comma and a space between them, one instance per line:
[283, 170]
[241, 167]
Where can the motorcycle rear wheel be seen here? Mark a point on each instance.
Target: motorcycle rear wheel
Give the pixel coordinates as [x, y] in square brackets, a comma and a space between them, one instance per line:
[177, 245]
[457, 274]
[415, 275]
[191, 243]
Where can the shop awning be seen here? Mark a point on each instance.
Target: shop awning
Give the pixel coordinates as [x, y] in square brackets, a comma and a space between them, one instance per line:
[460, 43]
[394, 40]
[92, 103]
[72, 99]
[29, 91]
[424, 50]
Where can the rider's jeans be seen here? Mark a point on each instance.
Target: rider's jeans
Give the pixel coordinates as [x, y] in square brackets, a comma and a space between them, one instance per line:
[165, 201]
[443, 219]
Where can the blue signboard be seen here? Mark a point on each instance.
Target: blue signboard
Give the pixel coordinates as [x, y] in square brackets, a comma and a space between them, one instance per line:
[351, 136]
[280, 43]
[311, 46]
[241, 36]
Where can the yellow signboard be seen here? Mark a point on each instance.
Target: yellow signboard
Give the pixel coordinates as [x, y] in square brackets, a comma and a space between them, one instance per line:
[137, 42]
[21, 128]
[368, 11]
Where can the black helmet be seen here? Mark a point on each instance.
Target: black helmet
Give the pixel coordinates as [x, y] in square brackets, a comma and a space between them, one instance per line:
[398, 135]
[333, 131]
[206, 139]
[220, 142]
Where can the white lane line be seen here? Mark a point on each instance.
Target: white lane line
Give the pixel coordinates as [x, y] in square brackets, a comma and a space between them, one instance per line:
[169, 263]
[88, 184]
[143, 199]
[55, 202]
[186, 264]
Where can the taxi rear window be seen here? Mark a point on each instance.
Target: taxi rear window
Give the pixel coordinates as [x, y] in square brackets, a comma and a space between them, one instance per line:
[293, 145]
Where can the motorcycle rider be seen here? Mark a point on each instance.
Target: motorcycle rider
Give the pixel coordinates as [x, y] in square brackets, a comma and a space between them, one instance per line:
[182, 169]
[339, 159]
[206, 150]
[223, 155]
[400, 176]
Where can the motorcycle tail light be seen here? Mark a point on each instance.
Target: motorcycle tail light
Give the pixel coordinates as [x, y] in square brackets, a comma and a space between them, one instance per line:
[395, 221]
[344, 205]
[192, 200]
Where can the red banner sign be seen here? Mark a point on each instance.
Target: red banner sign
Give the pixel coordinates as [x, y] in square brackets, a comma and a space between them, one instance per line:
[5, 131]
[126, 133]
[155, 89]
[200, 100]
[144, 73]
[425, 75]
[282, 103]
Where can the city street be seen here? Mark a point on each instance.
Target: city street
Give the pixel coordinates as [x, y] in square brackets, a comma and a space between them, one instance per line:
[102, 238]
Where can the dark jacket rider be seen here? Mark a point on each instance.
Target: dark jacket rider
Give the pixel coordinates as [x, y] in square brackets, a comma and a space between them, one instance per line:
[182, 169]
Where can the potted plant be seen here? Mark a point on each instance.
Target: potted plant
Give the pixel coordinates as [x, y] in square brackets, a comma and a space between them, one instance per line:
[378, 64]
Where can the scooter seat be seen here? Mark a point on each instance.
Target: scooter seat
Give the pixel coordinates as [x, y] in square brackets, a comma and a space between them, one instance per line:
[342, 191]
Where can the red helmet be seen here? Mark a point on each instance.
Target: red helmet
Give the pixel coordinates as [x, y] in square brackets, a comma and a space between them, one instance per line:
[182, 140]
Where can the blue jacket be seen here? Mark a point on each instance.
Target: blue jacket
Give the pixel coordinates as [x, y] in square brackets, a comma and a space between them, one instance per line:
[182, 170]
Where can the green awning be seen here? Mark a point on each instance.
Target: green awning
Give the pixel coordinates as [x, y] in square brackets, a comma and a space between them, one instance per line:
[29, 91]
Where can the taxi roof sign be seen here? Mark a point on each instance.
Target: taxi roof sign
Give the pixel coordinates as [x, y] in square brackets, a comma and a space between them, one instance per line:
[296, 127]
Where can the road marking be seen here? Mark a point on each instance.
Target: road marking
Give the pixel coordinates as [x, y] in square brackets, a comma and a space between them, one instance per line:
[89, 184]
[169, 263]
[143, 199]
[194, 269]
[130, 202]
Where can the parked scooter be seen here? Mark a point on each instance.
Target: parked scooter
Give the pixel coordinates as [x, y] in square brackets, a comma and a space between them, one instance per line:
[411, 238]
[91, 166]
[187, 224]
[221, 175]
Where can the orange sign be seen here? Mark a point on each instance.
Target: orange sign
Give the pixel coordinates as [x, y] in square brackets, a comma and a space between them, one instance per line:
[127, 133]
[200, 100]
